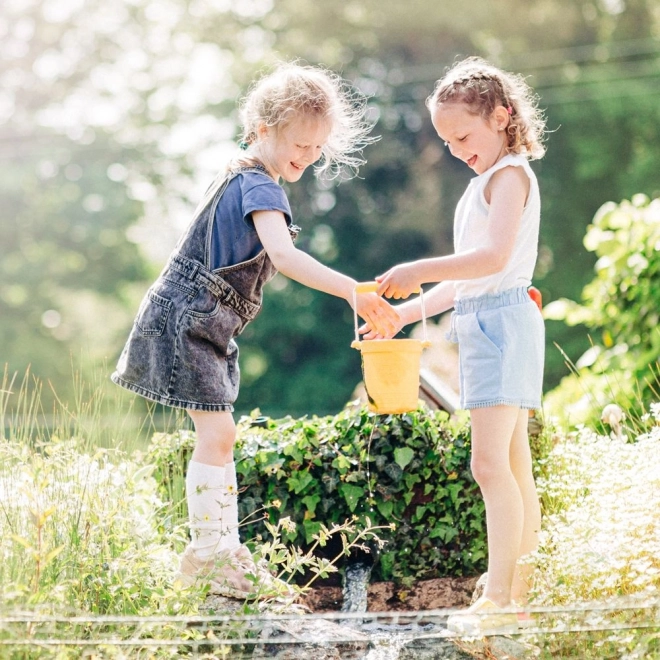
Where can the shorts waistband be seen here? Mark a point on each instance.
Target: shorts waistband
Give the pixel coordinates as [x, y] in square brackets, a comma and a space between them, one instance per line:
[474, 304]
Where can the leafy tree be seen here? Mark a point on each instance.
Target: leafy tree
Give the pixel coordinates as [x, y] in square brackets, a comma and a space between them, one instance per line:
[65, 263]
[597, 147]
[87, 101]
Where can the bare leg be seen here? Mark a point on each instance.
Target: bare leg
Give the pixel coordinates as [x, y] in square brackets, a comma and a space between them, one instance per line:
[521, 465]
[492, 433]
[216, 435]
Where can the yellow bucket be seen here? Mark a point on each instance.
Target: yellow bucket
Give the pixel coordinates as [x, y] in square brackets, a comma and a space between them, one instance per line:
[390, 367]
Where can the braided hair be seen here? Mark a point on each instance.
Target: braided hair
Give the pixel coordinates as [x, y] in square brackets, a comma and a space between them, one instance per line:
[482, 87]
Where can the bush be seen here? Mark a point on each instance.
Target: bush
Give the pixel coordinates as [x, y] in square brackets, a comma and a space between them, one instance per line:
[621, 308]
[411, 470]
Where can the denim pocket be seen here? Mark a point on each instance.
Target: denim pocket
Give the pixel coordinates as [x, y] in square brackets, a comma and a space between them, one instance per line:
[204, 303]
[153, 314]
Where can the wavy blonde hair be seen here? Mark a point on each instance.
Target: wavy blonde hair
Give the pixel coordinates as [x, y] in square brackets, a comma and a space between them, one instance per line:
[292, 90]
[482, 87]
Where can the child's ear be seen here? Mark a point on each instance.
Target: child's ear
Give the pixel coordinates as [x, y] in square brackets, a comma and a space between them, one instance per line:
[263, 131]
[501, 117]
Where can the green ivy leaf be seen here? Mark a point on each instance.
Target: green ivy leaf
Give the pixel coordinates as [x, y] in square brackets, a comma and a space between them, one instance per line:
[352, 495]
[298, 482]
[311, 528]
[310, 502]
[403, 456]
[385, 508]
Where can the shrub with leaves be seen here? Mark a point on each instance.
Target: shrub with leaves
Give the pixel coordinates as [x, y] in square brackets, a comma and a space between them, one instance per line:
[621, 309]
[411, 470]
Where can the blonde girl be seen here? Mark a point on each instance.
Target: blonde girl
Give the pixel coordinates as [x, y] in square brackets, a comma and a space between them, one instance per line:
[182, 350]
[488, 119]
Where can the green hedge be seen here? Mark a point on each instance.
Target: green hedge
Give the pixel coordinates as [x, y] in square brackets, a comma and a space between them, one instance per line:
[411, 470]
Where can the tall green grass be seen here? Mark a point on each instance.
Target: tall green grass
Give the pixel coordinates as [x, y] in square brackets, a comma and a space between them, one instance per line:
[85, 533]
[80, 512]
[99, 414]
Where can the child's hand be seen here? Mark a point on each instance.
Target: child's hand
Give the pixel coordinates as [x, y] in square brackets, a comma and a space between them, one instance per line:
[399, 282]
[368, 332]
[381, 317]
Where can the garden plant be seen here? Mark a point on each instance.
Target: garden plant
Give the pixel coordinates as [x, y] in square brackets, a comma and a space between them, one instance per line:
[409, 472]
[620, 310]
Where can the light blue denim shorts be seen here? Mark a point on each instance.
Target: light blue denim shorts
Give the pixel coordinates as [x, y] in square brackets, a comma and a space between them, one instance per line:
[501, 345]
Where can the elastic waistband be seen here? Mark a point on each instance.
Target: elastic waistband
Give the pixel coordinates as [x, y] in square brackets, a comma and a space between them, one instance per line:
[194, 270]
[474, 304]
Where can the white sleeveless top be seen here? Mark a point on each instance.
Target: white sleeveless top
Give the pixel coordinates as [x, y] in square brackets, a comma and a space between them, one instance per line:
[470, 231]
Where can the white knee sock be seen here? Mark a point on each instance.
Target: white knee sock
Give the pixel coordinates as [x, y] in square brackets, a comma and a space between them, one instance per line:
[212, 509]
[232, 505]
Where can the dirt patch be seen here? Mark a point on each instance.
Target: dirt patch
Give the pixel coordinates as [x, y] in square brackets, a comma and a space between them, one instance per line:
[437, 594]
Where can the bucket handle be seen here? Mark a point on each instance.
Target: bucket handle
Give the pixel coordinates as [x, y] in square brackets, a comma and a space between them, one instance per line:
[372, 287]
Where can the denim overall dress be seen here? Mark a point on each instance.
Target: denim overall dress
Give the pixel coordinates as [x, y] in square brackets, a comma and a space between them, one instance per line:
[181, 351]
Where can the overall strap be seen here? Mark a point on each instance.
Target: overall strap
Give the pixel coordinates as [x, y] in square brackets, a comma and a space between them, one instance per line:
[214, 195]
[221, 181]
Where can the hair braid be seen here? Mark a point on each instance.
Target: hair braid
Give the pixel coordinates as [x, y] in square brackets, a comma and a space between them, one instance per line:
[483, 87]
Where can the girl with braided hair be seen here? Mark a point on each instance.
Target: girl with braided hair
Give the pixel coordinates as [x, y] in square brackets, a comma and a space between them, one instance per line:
[488, 119]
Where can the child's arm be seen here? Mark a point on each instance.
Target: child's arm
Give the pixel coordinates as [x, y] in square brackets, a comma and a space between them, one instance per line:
[438, 299]
[508, 190]
[300, 266]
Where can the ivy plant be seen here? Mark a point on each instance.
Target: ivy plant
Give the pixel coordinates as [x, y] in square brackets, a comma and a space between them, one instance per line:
[409, 471]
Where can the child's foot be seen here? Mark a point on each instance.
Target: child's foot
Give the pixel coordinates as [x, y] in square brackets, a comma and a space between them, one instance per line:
[481, 619]
[525, 619]
[232, 573]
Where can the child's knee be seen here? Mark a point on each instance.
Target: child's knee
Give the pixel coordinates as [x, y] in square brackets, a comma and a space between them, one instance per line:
[485, 470]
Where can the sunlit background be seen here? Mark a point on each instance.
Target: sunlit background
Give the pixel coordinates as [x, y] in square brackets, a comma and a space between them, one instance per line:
[116, 114]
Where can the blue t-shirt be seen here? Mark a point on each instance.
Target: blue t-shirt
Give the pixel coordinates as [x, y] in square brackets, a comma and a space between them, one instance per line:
[234, 238]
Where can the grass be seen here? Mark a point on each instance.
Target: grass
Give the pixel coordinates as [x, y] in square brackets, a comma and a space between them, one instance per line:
[85, 533]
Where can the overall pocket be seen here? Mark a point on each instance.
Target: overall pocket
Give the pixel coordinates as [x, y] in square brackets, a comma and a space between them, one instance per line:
[209, 321]
[152, 317]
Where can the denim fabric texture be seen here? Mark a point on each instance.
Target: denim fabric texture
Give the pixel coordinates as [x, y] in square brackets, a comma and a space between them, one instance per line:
[501, 346]
[181, 350]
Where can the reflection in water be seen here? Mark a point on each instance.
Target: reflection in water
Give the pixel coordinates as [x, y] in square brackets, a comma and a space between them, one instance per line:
[288, 632]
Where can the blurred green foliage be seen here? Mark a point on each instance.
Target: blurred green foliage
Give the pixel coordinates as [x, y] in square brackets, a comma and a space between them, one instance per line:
[114, 116]
[620, 308]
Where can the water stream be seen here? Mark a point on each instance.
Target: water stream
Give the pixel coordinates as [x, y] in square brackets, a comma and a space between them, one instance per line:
[356, 586]
[388, 636]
